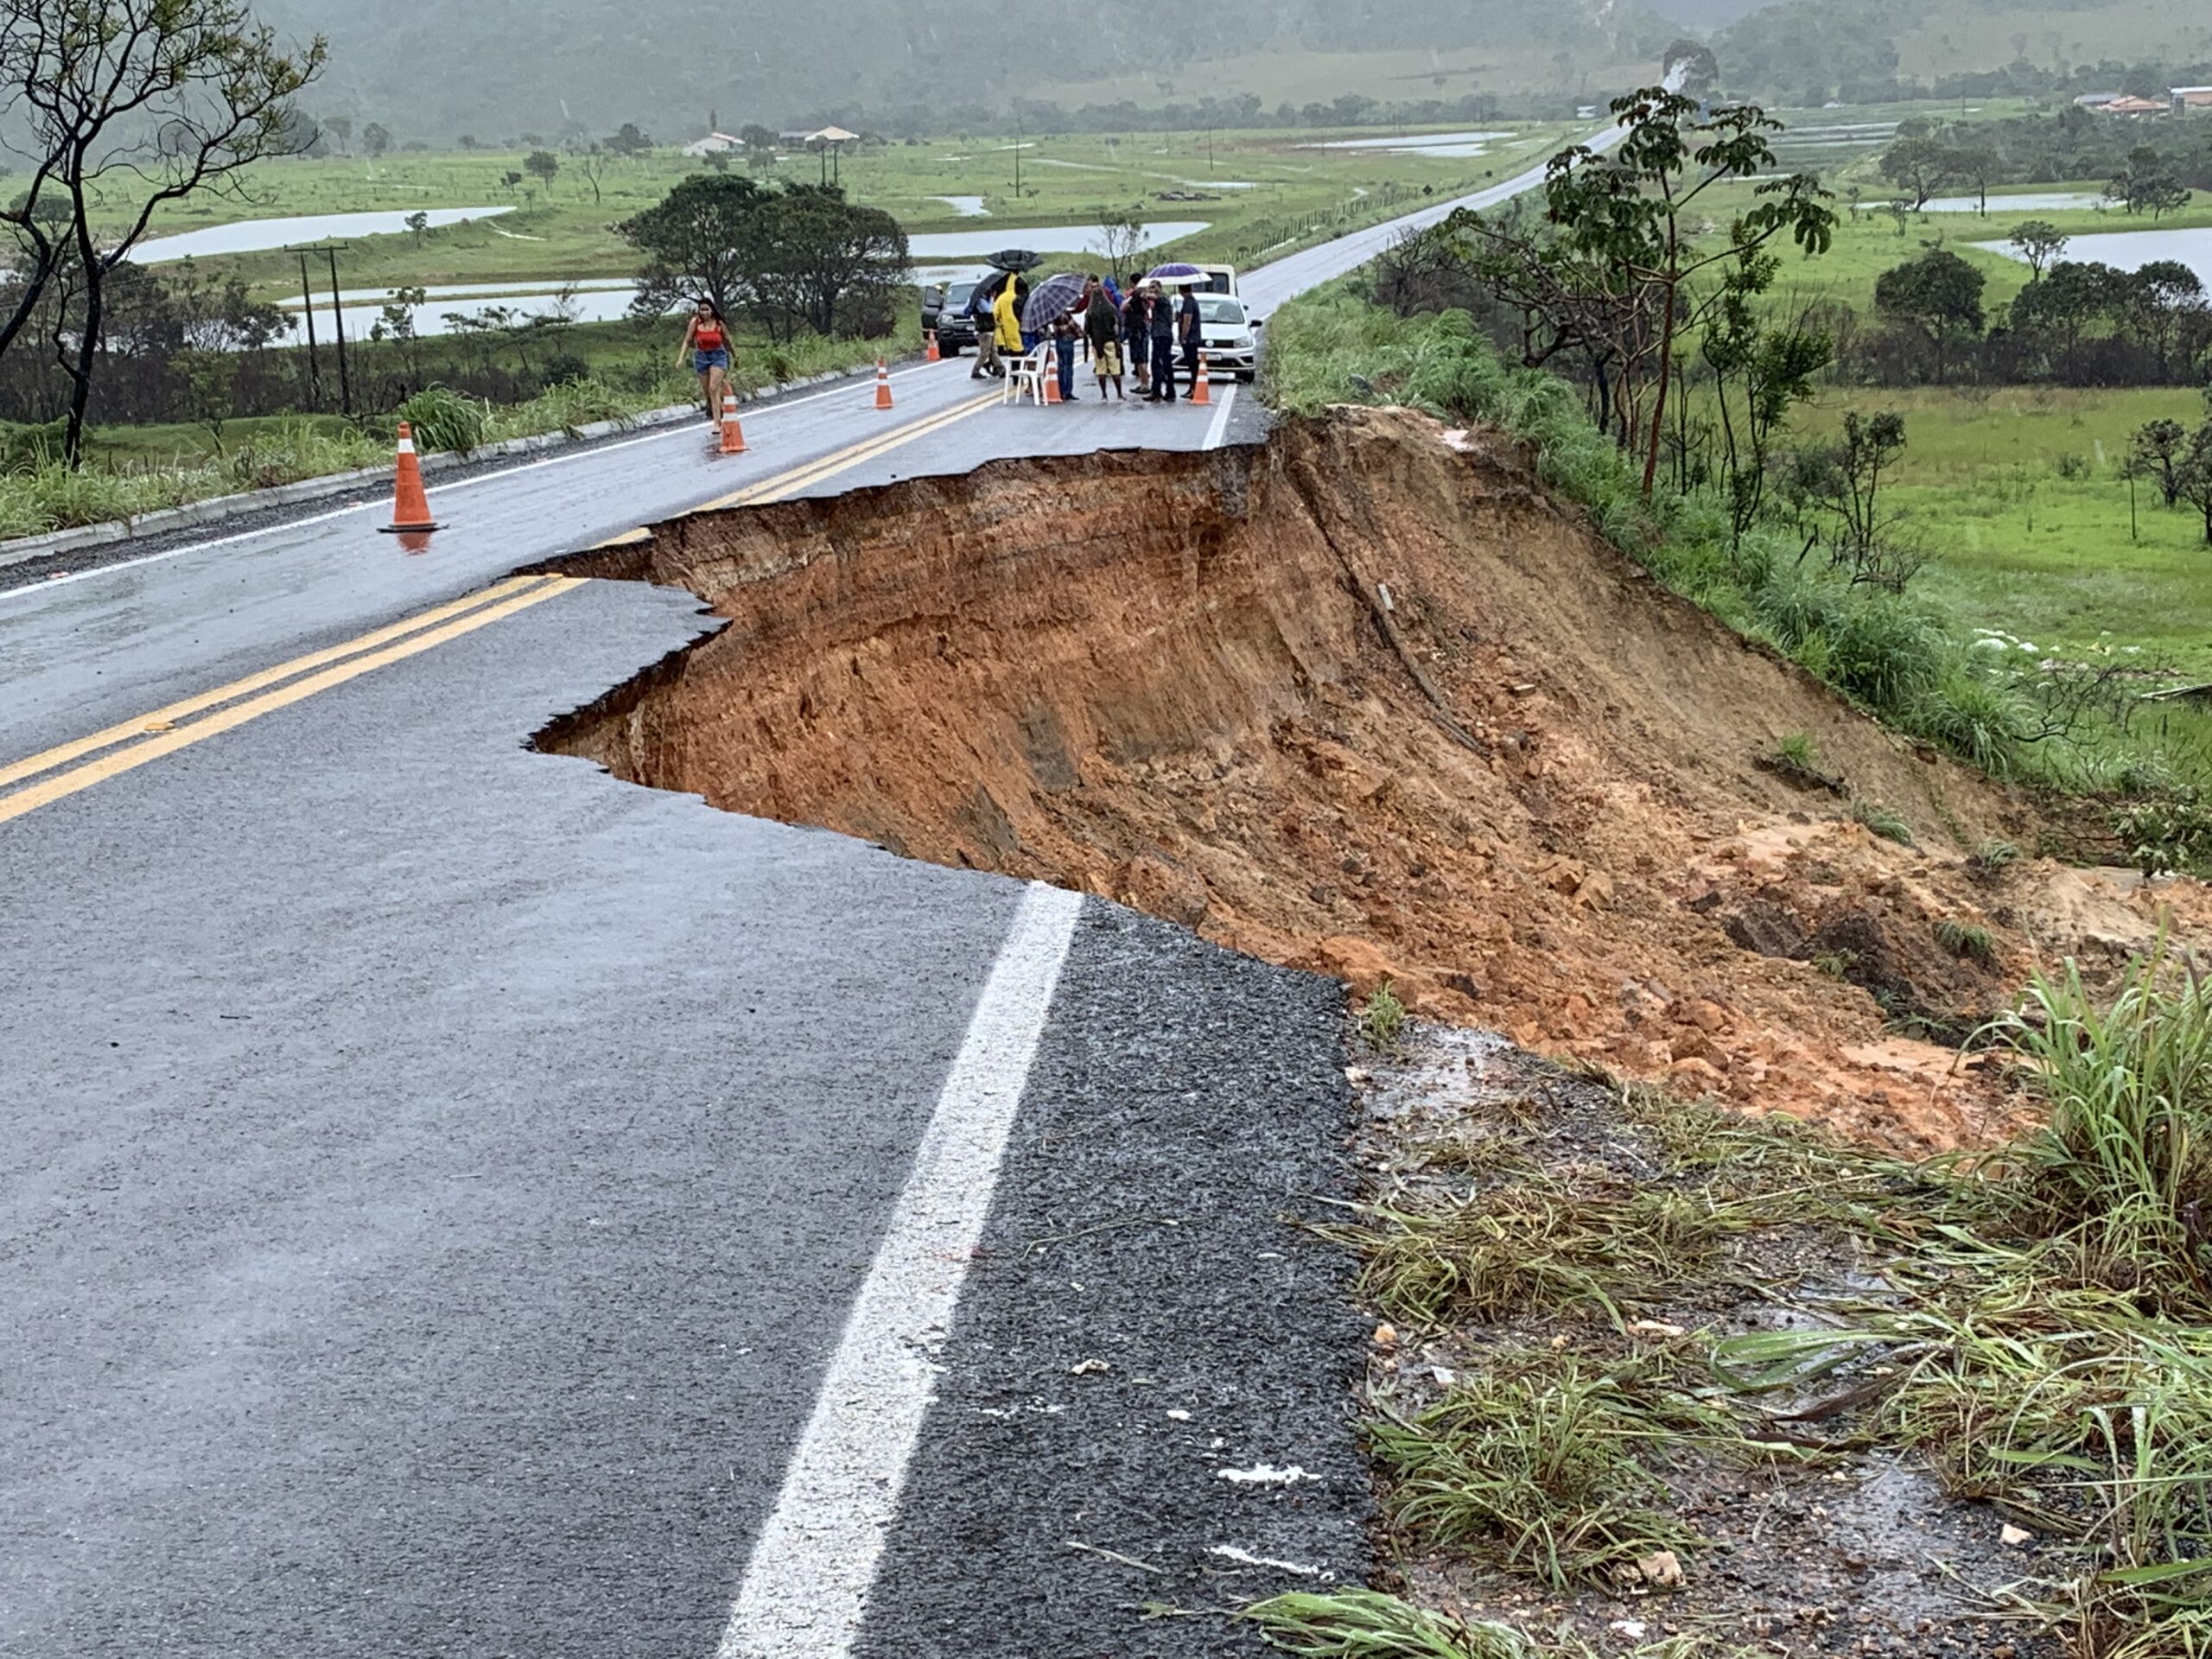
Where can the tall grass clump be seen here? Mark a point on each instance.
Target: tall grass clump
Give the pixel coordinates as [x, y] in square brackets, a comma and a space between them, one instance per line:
[2124, 1162]
[445, 419]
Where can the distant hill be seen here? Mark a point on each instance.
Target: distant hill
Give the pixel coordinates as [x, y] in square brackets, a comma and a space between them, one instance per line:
[1808, 51]
[500, 68]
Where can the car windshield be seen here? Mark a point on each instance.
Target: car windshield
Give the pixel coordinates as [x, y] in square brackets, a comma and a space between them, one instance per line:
[956, 296]
[1221, 308]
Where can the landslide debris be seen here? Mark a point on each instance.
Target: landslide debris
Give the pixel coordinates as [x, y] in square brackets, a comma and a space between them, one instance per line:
[1365, 700]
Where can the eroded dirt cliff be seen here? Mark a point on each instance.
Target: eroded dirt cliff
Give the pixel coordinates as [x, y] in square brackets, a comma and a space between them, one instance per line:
[1366, 700]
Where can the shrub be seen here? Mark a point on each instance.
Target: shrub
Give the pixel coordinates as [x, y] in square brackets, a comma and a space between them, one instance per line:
[444, 419]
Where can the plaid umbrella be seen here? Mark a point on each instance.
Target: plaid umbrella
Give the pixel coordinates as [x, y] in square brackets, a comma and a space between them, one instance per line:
[1051, 300]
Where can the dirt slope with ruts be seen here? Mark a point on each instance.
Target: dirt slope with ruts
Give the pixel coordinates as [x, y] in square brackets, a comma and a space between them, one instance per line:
[1367, 700]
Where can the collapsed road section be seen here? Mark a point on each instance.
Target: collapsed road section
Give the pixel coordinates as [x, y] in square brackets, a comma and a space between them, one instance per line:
[1366, 700]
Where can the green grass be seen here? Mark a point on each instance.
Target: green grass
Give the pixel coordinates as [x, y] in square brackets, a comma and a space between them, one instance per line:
[1381, 1017]
[1885, 821]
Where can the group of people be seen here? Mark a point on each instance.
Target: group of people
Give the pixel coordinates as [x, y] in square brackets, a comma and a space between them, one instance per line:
[1155, 331]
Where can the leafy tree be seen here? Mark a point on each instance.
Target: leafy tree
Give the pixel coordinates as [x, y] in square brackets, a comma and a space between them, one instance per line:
[340, 130]
[542, 165]
[129, 106]
[696, 241]
[2156, 298]
[759, 146]
[2193, 477]
[2073, 294]
[629, 141]
[1121, 240]
[1940, 294]
[1921, 166]
[1762, 369]
[2146, 184]
[2037, 241]
[376, 138]
[419, 222]
[1689, 68]
[1839, 486]
[2159, 451]
[1625, 232]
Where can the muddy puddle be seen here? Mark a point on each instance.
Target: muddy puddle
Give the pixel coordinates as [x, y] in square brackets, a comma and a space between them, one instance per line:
[1366, 701]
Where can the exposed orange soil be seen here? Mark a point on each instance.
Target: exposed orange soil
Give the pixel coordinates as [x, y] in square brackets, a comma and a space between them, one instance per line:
[1195, 683]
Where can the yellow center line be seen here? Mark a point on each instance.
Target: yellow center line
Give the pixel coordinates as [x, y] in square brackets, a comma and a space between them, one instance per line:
[158, 734]
[786, 484]
[238, 714]
[145, 724]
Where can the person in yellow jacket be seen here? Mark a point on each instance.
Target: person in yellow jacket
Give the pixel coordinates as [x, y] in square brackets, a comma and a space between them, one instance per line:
[1006, 321]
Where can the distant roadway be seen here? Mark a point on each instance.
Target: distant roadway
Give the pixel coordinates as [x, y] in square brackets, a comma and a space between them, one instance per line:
[455, 1202]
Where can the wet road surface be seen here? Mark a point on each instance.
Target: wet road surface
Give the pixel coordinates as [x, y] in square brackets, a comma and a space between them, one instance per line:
[444, 1189]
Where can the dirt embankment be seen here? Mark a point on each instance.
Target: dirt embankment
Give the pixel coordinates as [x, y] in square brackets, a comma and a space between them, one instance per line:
[1367, 701]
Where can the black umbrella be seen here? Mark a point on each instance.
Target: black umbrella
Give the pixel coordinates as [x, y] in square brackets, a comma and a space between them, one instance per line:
[1013, 259]
[1051, 300]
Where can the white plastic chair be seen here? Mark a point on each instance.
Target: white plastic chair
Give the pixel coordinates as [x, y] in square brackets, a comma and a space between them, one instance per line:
[1025, 374]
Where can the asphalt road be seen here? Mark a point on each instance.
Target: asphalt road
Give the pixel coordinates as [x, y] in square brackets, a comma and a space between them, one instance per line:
[453, 1202]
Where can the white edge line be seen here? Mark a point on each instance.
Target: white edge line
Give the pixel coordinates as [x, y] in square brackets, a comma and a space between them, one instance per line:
[806, 1587]
[1218, 428]
[675, 428]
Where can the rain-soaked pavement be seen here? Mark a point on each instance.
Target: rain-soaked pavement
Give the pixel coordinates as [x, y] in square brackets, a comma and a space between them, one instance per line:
[436, 1175]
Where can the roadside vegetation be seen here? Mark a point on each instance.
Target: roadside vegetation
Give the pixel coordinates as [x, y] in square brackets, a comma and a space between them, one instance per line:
[1722, 430]
[1615, 1327]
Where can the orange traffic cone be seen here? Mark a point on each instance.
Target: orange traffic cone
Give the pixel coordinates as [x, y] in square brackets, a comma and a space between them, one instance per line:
[1199, 393]
[410, 507]
[732, 434]
[930, 351]
[1051, 376]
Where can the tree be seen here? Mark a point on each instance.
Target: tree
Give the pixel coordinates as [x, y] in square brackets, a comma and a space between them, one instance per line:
[1628, 220]
[2158, 452]
[1761, 370]
[1920, 165]
[1841, 484]
[1940, 294]
[759, 146]
[629, 142]
[2145, 183]
[695, 241]
[131, 104]
[340, 130]
[2193, 477]
[592, 165]
[376, 138]
[544, 165]
[2037, 241]
[1689, 68]
[419, 222]
[1121, 240]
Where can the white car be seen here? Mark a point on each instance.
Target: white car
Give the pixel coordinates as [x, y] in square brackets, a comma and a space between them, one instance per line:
[1232, 345]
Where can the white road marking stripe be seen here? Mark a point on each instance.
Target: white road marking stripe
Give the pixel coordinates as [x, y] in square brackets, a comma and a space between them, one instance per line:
[1217, 428]
[676, 429]
[807, 1586]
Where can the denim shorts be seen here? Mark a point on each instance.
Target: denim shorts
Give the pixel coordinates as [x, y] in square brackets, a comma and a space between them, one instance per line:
[702, 361]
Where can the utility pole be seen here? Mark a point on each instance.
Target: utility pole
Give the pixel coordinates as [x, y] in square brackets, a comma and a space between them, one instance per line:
[338, 322]
[314, 367]
[1017, 157]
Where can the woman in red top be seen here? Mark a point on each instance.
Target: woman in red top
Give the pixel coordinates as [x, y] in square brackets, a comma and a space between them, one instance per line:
[707, 343]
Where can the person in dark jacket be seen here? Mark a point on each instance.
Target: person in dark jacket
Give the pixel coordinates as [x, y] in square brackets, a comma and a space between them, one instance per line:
[1161, 347]
[1102, 329]
[1136, 329]
[1065, 335]
[1189, 336]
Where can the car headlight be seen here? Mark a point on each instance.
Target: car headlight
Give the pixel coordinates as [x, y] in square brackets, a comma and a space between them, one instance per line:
[1241, 342]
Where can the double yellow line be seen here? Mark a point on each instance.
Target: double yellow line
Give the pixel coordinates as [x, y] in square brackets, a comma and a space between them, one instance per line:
[164, 731]
[58, 772]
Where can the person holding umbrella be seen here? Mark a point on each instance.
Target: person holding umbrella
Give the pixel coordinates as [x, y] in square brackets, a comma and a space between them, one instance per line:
[1049, 312]
[1189, 336]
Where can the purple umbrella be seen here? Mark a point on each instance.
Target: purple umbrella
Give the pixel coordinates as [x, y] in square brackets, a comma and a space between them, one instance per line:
[1174, 272]
[1051, 300]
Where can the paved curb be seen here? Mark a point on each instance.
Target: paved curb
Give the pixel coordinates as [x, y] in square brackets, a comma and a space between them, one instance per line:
[25, 549]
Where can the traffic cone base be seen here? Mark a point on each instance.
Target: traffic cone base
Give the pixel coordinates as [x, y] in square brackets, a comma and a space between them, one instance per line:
[411, 504]
[732, 434]
[1200, 394]
[882, 384]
